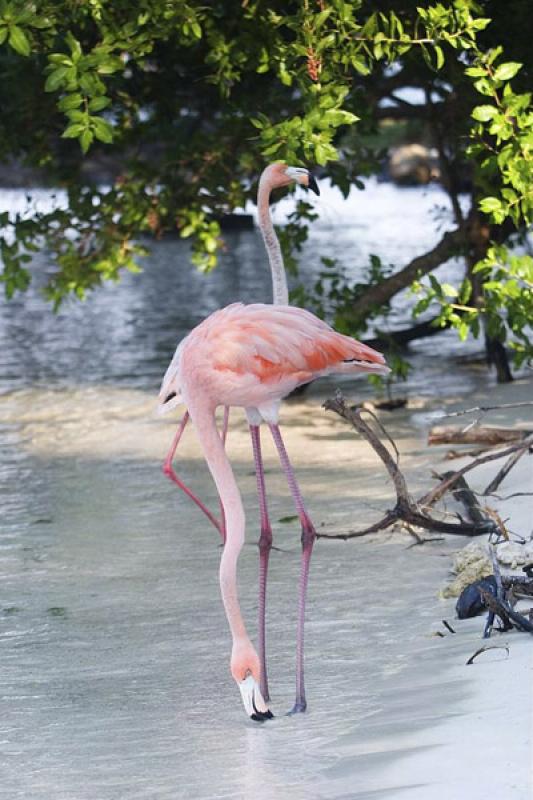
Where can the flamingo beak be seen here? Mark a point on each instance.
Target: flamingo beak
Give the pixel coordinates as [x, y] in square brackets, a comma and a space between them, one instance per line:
[252, 700]
[313, 185]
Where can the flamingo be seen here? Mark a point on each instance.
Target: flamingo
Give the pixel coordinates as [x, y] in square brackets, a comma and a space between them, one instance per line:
[252, 356]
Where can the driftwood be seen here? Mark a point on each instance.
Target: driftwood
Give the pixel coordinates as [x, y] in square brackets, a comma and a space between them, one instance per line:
[507, 467]
[406, 509]
[464, 494]
[484, 650]
[509, 617]
[475, 435]
[445, 485]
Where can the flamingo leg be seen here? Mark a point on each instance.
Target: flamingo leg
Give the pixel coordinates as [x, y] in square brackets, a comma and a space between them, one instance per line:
[308, 540]
[170, 473]
[265, 546]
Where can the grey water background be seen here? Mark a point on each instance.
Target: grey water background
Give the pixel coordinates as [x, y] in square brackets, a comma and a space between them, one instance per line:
[113, 644]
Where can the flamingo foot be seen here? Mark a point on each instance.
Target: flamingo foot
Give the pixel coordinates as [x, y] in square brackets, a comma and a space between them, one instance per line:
[253, 702]
[298, 708]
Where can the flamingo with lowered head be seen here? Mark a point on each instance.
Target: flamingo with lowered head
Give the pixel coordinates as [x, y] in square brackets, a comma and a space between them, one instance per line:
[252, 356]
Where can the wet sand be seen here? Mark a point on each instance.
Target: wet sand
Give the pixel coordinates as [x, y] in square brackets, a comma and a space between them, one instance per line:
[114, 648]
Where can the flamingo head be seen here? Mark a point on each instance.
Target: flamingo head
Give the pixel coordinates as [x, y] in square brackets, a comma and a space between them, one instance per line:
[253, 701]
[282, 175]
[246, 671]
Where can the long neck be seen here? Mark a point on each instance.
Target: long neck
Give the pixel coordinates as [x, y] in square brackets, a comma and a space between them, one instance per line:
[279, 280]
[220, 468]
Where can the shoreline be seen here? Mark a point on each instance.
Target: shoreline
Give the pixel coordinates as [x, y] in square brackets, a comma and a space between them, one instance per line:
[484, 747]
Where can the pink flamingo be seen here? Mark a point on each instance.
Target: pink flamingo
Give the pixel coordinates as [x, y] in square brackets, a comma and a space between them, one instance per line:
[252, 356]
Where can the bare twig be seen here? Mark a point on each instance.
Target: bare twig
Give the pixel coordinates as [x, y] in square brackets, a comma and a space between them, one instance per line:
[447, 625]
[431, 497]
[383, 431]
[484, 409]
[507, 467]
[484, 650]
[503, 498]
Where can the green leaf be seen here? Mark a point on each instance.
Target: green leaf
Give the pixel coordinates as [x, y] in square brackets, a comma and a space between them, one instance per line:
[56, 79]
[360, 65]
[102, 129]
[86, 139]
[19, 41]
[111, 65]
[484, 113]
[476, 72]
[507, 71]
[3, 35]
[440, 56]
[74, 45]
[449, 290]
[98, 103]
[463, 330]
[320, 18]
[73, 131]
[69, 102]
[490, 204]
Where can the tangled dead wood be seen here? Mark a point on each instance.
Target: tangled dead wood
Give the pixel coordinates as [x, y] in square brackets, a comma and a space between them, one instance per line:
[406, 509]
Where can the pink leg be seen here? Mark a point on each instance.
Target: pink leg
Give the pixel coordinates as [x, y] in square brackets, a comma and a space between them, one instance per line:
[308, 539]
[265, 545]
[169, 472]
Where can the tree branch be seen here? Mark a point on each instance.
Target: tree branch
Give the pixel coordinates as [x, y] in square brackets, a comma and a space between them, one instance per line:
[405, 335]
[421, 265]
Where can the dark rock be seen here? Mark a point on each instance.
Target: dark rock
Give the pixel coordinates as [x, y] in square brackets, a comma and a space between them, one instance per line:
[469, 603]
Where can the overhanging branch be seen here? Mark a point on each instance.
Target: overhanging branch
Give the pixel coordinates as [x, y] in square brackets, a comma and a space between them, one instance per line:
[377, 295]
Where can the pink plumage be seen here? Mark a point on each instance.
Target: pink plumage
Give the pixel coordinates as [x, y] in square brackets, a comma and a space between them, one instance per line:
[254, 355]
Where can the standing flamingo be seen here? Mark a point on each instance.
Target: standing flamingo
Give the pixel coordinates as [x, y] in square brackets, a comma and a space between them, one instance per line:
[252, 356]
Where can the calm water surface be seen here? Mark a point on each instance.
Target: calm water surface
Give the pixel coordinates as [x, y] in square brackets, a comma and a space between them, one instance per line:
[113, 644]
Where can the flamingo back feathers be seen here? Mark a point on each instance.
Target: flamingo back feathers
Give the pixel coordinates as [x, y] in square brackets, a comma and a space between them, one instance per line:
[248, 355]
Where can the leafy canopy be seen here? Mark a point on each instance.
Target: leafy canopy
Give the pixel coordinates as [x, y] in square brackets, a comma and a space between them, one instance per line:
[185, 101]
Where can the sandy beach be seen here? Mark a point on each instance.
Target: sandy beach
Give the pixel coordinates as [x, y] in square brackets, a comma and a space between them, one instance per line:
[114, 646]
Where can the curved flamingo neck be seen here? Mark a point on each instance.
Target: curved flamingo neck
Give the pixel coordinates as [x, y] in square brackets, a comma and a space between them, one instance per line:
[279, 280]
[220, 468]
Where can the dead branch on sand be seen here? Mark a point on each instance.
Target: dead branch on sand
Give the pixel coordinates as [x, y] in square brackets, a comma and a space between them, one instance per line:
[406, 509]
[488, 436]
[509, 617]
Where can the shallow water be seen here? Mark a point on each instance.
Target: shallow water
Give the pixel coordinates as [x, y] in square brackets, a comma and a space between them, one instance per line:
[114, 648]
[113, 644]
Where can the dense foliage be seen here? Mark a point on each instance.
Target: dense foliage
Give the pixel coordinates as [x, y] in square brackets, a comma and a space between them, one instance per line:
[183, 102]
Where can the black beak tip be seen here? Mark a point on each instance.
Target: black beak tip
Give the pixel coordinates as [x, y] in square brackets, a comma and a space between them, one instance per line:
[261, 716]
[313, 185]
